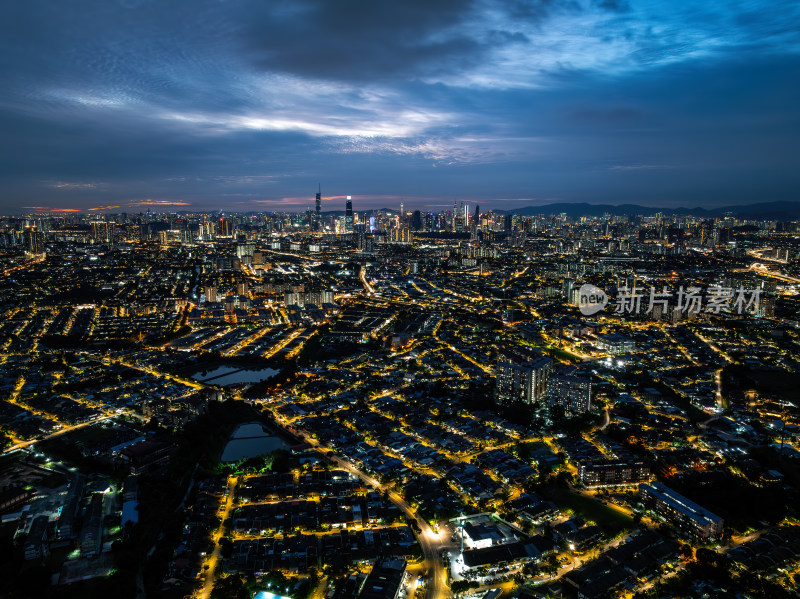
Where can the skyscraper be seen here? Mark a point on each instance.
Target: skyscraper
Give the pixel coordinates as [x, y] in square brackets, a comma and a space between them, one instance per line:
[348, 215]
[101, 231]
[318, 211]
[416, 220]
[458, 221]
[34, 241]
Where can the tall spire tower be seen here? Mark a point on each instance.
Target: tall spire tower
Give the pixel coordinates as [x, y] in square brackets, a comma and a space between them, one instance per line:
[318, 209]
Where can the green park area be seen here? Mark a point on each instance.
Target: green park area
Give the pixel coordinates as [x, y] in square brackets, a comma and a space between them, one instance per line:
[612, 521]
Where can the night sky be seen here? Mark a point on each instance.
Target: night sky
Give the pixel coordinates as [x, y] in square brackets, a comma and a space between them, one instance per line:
[248, 105]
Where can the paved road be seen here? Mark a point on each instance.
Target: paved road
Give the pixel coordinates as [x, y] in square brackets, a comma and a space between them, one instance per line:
[606, 418]
[63, 431]
[432, 543]
[362, 275]
[205, 591]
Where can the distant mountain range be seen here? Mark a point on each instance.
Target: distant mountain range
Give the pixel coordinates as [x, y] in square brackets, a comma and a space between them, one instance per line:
[762, 211]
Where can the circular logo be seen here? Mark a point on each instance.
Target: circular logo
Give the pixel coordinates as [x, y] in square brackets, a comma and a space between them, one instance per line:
[591, 299]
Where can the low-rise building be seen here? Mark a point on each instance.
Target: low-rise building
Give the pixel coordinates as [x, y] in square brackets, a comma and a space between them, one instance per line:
[36, 543]
[600, 473]
[385, 581]
[680, 511]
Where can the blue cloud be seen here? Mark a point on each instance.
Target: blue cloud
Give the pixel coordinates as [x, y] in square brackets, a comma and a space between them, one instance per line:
[590, 100]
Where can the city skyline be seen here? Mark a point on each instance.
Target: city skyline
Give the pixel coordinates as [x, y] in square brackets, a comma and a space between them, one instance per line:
[370, 299]
[417, 406]
[128, 106]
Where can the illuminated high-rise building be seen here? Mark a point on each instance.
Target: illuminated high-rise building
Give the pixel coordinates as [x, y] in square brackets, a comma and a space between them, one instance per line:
[34, 241]
[348, 215]
[318, 211]
[101, 231]
[245, 250]
[522, 375]
[570, 391]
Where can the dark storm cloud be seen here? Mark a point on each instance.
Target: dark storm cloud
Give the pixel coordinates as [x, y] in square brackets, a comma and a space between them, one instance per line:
[111, 102]
[354, 40]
